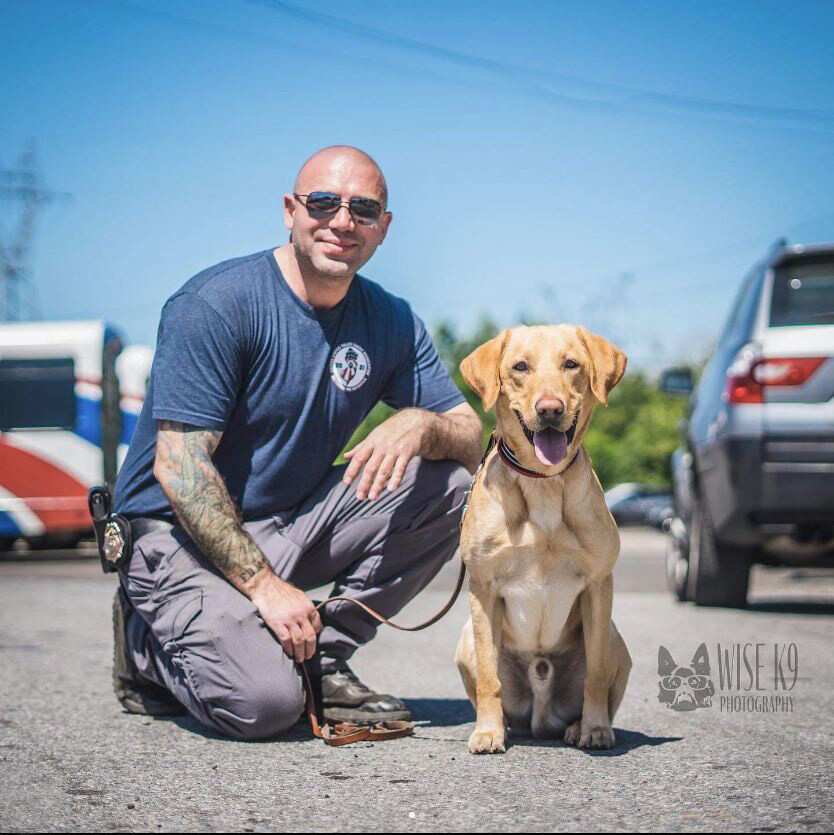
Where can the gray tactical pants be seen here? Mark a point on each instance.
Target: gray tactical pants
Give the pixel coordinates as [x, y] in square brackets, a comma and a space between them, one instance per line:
[201, 639]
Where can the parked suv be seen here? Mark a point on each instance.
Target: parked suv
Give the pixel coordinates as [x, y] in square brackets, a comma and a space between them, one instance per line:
[754, 479]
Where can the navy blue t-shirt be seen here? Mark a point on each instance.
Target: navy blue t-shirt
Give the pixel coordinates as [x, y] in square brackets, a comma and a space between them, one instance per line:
[287, 384]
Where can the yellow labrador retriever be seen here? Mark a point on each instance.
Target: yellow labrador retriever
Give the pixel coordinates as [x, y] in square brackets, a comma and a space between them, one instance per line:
[540, 647]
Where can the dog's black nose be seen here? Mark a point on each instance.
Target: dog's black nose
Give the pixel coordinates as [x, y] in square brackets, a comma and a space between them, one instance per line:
[542, 669]
[550, 408]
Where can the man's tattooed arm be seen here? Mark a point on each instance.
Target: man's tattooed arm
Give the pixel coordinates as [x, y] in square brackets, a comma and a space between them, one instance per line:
[201, 500]
[205, 509]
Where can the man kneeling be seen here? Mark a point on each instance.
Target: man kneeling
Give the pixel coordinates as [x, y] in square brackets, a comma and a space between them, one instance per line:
[265, 365]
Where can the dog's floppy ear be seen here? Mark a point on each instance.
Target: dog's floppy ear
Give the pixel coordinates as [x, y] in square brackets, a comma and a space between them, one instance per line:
[608, 363]
[480, 369]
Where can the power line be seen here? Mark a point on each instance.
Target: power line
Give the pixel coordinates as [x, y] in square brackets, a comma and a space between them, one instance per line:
[205, 26]
[227, 33]
[604, 96]
[527, 77]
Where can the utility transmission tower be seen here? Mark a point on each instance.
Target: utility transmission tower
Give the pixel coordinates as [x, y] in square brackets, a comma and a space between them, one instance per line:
[22, 185]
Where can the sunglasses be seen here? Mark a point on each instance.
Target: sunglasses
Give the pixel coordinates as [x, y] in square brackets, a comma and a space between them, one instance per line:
[322, 204]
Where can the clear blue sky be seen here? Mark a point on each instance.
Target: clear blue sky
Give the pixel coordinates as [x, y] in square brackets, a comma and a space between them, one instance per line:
[617, 164]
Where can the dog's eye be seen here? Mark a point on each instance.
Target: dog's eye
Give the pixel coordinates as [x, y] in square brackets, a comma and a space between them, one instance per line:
[571, 364]
[521, 366]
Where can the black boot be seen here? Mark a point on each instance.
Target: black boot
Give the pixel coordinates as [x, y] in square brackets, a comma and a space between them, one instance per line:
[136, 694]
[342, 697]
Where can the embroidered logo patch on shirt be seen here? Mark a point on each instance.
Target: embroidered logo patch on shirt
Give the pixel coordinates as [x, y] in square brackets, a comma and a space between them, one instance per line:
[349, 366]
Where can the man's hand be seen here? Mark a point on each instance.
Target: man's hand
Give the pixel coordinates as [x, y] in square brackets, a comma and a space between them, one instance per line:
[385, 453]
[288, 612]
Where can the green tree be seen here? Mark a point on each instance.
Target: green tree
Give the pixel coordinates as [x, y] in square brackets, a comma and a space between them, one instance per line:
[453, 350]
[634, 437]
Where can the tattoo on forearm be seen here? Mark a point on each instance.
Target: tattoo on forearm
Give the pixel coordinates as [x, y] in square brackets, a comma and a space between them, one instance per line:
[201, 500]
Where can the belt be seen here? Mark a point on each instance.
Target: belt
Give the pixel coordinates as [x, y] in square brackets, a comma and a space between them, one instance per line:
[144, 525]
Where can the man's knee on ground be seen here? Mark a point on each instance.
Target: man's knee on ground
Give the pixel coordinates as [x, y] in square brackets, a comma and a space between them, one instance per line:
[262, 709]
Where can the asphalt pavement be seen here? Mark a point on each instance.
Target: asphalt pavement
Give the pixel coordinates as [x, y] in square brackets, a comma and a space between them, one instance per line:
[757, 759]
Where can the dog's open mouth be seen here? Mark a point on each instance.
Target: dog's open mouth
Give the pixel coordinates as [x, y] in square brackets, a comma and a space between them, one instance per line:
[549, 444]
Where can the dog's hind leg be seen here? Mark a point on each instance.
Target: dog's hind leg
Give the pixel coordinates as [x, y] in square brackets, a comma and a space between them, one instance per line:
[465, 660]
[619, 662]
[622, 670]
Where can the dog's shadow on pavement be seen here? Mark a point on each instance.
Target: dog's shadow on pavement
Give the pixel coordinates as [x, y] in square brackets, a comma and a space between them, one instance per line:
[441, 713]
[444, 713]
[626, 741]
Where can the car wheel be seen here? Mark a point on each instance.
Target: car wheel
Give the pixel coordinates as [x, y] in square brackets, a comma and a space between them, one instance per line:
[717, 574]
[677, 568]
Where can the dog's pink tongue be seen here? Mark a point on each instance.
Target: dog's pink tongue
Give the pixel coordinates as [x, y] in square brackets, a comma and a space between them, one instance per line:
[551, 446]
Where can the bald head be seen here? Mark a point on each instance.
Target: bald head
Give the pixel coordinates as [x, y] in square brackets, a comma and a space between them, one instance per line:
[341, 159]
[330, 246]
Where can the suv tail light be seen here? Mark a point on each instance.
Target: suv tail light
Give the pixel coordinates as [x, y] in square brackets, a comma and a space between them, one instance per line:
[750, 374]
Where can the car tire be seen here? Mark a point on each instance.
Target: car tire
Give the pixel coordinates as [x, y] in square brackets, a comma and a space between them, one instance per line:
[717, 574]
[677, 568]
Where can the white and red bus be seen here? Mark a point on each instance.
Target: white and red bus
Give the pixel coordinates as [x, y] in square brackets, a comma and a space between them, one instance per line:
[70, 396]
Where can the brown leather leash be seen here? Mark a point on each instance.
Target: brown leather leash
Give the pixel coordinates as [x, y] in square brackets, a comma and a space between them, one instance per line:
[344, 733]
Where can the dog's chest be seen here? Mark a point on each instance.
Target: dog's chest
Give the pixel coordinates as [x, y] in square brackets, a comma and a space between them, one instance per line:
[536, 610]
[536, 565]
[544, 518]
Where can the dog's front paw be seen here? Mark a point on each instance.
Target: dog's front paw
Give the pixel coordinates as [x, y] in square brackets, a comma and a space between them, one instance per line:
[596, 736]
[486, 742]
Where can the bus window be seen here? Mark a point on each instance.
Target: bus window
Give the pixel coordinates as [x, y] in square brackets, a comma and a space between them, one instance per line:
[37, 394]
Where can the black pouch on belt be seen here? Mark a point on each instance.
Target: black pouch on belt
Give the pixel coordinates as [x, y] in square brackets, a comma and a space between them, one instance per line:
[113, 535]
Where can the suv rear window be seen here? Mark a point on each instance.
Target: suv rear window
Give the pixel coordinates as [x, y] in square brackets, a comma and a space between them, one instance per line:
[803, 294]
